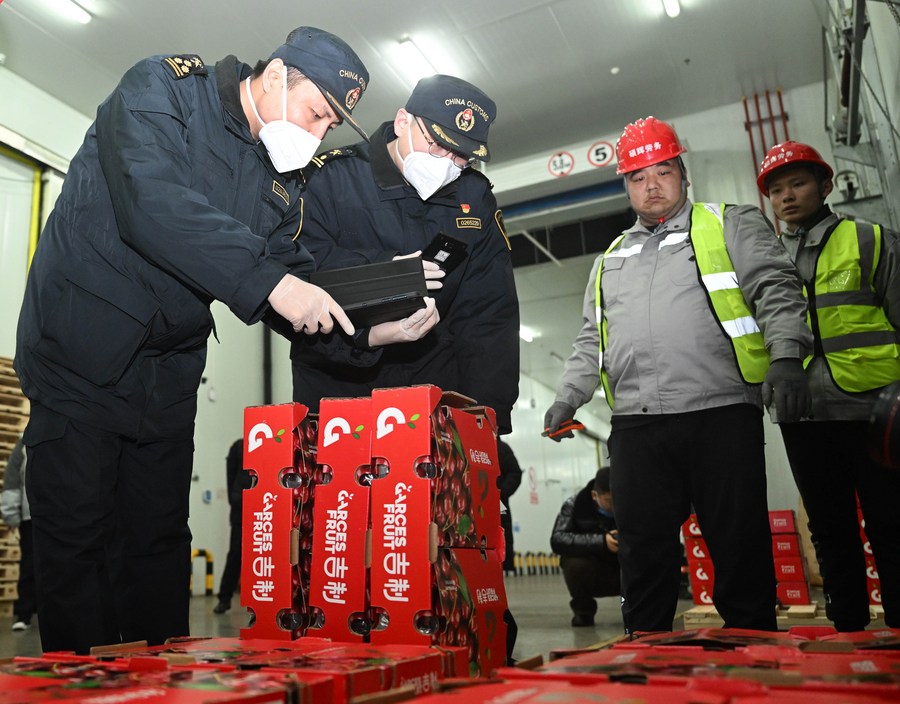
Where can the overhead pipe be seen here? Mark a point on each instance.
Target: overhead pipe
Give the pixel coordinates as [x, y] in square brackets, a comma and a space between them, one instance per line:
[784, 120]
[775, 139]
[748, 125]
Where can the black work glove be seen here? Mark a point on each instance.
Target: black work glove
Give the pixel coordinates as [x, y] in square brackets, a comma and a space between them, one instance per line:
[557, 414]
[786, 384]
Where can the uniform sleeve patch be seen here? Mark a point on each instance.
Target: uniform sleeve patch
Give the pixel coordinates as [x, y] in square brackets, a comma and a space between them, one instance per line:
[498, 218]
[183, 65]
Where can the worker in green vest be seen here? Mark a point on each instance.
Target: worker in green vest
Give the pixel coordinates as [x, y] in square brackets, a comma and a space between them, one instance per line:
[701, 320]
[851, 273]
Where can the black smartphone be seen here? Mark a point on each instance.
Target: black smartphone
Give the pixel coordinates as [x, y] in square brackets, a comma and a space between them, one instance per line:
[445, 251]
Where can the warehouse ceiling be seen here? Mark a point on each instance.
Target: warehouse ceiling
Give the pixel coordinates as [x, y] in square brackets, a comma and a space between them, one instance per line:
[561, 72]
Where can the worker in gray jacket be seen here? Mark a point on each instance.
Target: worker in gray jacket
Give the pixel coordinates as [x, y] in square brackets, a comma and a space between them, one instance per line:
[851, 272]
[695, 301]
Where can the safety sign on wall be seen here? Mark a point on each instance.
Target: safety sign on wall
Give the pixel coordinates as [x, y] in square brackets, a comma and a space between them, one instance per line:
[561, 164]
[600, 154]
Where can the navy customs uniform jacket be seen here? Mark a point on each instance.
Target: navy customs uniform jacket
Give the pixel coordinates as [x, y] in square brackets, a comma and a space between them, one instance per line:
[359, 209]
[168, 205]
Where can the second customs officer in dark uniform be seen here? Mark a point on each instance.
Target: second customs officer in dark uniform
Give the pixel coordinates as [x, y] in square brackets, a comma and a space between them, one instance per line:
[373, 202]
[186, 190]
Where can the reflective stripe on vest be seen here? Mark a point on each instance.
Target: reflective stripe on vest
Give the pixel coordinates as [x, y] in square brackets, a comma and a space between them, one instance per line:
[852, 331]
[707, 234]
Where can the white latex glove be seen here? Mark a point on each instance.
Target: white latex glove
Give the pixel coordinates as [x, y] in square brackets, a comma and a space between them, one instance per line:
[433, 273]
[410, 329]
[306, 307]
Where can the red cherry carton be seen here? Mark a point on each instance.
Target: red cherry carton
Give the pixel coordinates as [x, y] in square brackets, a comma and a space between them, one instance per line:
[224, 653]
[695, 549]
[89, 680]
[691, 528]
[786, 545]
[782, 522]
[792, 593]
[535, 689]
[439, 488]
[279, 450]
[360, 669]
[789, 569]
[341, 515]
[702, 577]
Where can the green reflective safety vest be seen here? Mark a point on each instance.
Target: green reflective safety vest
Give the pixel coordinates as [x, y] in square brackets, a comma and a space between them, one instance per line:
[845, 314]
[707, 235]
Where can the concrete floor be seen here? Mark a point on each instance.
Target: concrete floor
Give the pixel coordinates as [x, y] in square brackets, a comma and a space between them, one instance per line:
[539, 603]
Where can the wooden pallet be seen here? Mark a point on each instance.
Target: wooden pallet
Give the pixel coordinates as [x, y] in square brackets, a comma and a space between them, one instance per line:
[9, 571]
[10, 553]
[6, 609]
[8, 591]
[787, 616]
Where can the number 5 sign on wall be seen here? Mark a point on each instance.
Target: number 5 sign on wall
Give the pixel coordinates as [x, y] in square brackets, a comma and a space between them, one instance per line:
[600, 154]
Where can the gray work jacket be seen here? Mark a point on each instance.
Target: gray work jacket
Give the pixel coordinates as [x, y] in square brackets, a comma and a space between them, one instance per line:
[667, 353]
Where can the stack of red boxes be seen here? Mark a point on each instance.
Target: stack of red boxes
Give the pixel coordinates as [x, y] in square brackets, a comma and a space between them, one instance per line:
[790, 573]
[790, 565]
[872, 580]
[407, 545]
[700, 566]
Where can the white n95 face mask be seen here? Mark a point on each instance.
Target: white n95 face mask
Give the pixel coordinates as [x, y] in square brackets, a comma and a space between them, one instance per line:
[426, 173]
[290, 147]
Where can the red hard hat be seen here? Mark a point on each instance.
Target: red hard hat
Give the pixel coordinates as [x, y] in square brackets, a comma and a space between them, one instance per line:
[644, 143]
[789, 153]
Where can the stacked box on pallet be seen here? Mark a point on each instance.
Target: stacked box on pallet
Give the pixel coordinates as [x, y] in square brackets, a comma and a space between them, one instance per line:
[700, 567]
[437, 546]
[279, 452]
[790, 571]
[339, 581]
[873, 582]
[791, 574]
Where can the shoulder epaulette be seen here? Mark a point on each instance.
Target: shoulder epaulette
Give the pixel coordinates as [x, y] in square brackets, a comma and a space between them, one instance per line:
[320, 160]
[183, 65]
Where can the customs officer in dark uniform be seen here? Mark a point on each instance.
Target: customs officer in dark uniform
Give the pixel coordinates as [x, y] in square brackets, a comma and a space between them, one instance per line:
[186, 190]
[377, 201]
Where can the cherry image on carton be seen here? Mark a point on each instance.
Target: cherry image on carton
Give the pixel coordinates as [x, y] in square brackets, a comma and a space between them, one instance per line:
[224, 653]
[47, 679]
[279, 451]
[339, 581]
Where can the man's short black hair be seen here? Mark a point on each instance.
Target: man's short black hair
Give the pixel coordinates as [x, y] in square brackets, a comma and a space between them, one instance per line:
[601, 481]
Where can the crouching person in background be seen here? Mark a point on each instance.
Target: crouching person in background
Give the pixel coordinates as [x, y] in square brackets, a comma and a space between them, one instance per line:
[585, 538]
